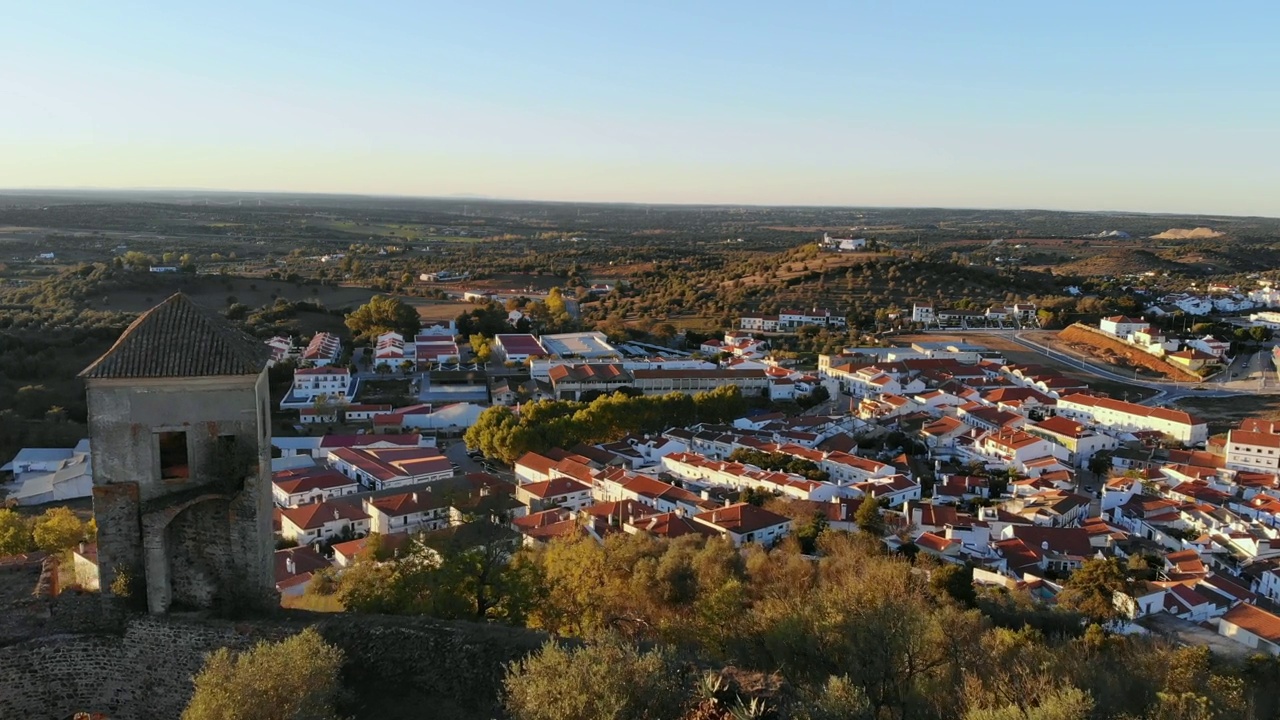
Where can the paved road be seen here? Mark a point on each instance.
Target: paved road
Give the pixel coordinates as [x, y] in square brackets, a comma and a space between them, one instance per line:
[1167, 391]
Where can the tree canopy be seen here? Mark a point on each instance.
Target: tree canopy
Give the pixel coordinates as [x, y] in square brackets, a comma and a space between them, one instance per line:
[869, 518]
[383, 314]
[607, 679]
[503, 434]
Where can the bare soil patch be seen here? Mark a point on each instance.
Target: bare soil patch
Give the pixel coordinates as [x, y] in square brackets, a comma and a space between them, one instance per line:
[1120, 354]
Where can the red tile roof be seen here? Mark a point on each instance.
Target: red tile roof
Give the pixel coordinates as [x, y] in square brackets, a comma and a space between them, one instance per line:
[555, 487]
[302, 480]
[741, 518]
[395, 463]
[315, 515]
[671, 525]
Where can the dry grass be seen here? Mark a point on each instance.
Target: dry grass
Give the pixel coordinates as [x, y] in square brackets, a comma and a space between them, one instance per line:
[1224, 413]
[314, 603]
[826, 262]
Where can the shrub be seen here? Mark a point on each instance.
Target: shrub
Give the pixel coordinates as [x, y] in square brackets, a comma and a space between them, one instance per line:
[294, 679]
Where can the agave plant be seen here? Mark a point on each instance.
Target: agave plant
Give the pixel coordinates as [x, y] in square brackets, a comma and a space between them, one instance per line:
[757, 709]
[711, 686]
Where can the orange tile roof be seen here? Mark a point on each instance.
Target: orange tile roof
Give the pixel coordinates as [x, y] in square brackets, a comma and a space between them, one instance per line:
[1257, 621]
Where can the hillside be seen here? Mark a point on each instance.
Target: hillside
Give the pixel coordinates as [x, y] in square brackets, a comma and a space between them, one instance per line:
[1120, 354]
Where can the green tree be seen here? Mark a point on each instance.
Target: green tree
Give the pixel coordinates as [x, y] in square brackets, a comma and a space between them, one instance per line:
[607, 679]
[1091, 589]
[720, 405]
[481, 347]
[57, 529]
[1100, 464]
[15, 533]
[294, 679]
[383, 314]
[954, 581]
[869, 518]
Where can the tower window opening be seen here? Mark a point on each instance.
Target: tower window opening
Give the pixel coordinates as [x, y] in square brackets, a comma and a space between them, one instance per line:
[174, 463]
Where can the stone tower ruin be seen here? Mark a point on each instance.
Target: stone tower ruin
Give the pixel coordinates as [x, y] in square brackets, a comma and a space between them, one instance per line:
[180, 424]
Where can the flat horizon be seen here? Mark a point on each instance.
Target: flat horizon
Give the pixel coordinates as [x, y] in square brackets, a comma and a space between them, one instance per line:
[487, 198]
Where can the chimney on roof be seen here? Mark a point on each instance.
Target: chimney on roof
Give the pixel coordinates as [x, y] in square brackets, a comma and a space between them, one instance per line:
[82, 547]
[289, 566]
[1044, 545]
[337, 515]
[415, 497]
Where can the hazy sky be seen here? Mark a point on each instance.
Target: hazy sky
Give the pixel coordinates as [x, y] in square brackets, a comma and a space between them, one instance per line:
[1162, 106]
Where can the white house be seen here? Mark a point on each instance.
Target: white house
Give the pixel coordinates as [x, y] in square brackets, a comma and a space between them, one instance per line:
[433, 349]
[759, 323]
[745, 523]
[690, 466]
[923, 313]
[1210, 345]
[391, 351]
[843, 244]
[325, 520]
[792, 319]
[1252, 627]
[407, 512]
[280, 347]
[564, 492]
[324, 349]
[291, 488]
[332, 383]
[1120, 326]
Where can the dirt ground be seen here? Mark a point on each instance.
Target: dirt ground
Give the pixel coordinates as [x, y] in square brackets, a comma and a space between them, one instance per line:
[1224, 413]
[1121, 355]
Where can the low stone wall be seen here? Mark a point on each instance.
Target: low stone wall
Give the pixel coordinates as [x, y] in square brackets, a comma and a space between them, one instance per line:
[146, 671]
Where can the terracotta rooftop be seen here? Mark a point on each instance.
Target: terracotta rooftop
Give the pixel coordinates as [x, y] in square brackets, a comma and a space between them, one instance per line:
[741, 518]
[178, 338]
[1259, 622]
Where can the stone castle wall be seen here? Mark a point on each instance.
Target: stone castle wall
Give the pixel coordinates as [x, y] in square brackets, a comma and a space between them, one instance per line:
[146, 671]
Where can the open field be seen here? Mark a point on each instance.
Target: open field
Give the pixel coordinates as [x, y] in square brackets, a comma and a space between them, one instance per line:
[1224, 413]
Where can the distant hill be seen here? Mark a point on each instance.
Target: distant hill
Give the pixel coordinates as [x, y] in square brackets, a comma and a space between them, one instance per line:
[1200, 233]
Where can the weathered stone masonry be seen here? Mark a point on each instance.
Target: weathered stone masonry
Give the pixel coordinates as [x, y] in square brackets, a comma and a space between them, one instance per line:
[146, 672]
[179, 416]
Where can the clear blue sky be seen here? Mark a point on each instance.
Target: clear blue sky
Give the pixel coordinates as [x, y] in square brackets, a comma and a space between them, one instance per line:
[1160, 106]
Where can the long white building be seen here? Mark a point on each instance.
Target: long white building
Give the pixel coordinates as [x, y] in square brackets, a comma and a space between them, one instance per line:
[1131, 417]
